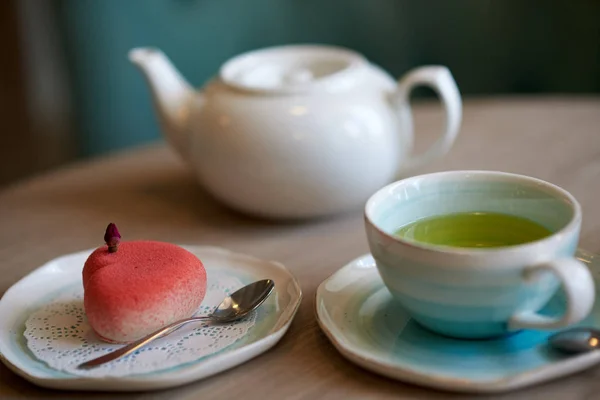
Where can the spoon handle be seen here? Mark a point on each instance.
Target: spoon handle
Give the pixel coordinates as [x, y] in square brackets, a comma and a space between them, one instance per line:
[133, 346]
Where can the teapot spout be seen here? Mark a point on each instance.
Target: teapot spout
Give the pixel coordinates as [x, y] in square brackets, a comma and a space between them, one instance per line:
[171, 94]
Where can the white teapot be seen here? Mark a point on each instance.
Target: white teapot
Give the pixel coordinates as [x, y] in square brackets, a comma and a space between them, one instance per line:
[296, 131]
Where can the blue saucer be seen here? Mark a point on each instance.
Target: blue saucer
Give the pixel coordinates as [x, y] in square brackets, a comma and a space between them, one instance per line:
[368, 327]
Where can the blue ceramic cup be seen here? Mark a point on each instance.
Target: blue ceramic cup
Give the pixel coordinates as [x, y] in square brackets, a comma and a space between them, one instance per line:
[480, 292]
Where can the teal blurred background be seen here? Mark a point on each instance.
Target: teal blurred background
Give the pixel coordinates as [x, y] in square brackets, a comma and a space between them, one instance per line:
[68, 91]
[491, 47]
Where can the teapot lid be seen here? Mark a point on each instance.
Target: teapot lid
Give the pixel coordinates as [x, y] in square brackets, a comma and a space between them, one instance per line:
[293, 69]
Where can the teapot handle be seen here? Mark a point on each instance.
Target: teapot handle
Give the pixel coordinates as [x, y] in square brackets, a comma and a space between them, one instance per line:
[440, 80]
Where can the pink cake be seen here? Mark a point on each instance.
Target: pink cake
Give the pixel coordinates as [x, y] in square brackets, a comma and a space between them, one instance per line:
[136, 287]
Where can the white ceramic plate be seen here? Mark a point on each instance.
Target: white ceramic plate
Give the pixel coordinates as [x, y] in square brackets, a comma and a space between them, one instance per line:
[357, 313]
[273, 320]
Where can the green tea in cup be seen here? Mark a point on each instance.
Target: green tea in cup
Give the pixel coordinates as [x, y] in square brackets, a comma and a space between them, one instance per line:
[473, 229]
[478, 254]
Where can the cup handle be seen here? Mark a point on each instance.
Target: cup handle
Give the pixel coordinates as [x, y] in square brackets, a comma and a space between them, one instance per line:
[578, 285]
[440, 80]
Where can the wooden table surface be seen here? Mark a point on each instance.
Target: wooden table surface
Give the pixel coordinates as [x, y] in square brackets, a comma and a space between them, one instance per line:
[151, 195]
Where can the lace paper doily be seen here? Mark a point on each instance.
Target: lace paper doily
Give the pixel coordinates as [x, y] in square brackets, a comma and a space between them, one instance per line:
[59, 335]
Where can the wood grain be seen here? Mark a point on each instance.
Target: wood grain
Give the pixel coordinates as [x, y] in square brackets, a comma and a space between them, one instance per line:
[151, 195]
